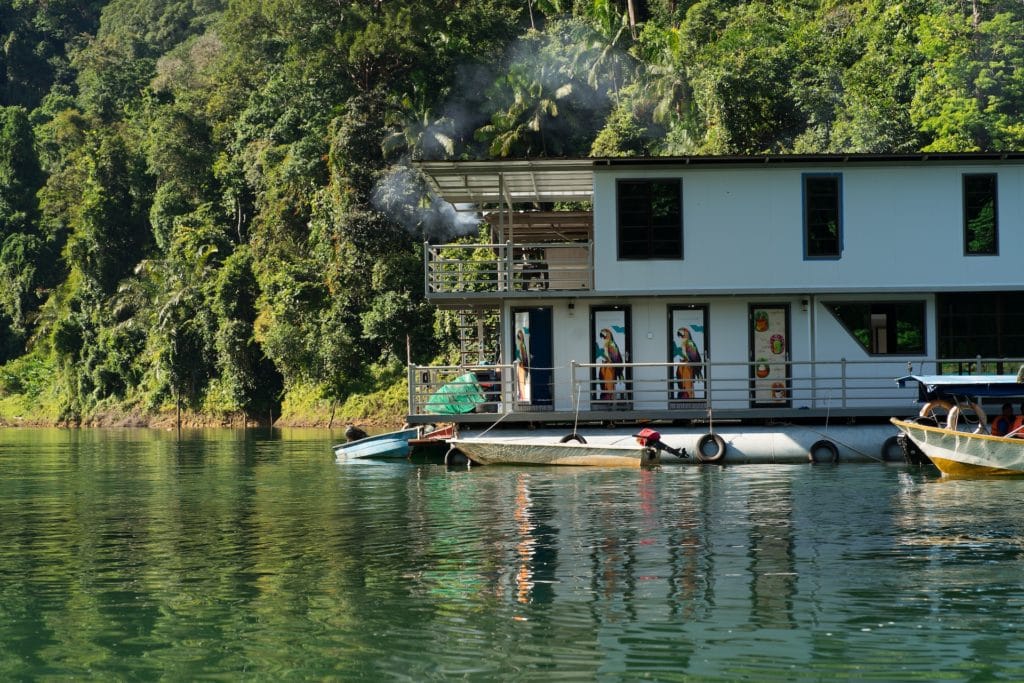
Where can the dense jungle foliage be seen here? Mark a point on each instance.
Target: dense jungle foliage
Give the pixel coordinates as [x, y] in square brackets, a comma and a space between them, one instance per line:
[209, 203]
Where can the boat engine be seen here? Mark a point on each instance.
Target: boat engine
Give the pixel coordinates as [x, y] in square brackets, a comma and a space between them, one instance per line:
[353, 433]
[649, 438]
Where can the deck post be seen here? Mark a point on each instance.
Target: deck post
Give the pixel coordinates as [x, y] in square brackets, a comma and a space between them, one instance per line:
[411, 373]
[842, 381]
[574, 387]
[707, 382]
[426, 267]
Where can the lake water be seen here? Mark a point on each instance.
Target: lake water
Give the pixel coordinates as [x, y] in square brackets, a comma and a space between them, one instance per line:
[229, 555]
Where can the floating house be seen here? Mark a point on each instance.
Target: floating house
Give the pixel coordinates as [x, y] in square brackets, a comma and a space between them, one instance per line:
[756, 290]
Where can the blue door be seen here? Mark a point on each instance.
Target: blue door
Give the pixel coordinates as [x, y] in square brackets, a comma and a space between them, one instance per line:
[532, 349]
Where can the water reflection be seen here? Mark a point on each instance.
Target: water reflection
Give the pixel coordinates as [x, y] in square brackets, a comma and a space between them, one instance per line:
[230, 555]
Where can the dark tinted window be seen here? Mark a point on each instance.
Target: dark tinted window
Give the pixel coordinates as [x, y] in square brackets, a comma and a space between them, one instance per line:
[981, 234]
[650, 219]
[884, 328]
[822, 216]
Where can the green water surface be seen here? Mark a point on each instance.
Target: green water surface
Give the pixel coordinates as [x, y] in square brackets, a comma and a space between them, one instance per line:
[138, 555]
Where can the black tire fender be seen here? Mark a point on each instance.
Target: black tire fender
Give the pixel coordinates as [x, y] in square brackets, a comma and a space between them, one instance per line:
[892, 451]
[823, 450]
[456, 458]
[572, 437]
[717, 454]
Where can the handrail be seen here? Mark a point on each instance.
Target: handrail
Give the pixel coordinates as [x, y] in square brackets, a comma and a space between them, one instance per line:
[823, 385]
[510, 267]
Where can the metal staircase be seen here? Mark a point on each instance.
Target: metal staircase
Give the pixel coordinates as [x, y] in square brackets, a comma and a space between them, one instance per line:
[478, 336]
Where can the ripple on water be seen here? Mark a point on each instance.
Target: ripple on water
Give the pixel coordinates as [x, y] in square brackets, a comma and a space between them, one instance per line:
[136, 555]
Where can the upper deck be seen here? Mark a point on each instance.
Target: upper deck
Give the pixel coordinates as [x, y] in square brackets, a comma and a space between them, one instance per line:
[740, 225]
[536, 253]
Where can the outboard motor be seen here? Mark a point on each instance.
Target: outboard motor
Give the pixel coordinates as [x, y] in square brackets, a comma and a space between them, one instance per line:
[649, 438]
[353, 433]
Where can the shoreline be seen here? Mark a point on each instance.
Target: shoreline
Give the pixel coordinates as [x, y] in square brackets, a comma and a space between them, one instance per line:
[193, 421]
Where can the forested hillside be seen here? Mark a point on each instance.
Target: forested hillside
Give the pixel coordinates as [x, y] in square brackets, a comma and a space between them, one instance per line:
[208, 202]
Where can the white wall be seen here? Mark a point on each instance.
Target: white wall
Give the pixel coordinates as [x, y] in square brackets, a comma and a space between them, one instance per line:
[815, 335]
[743, 231]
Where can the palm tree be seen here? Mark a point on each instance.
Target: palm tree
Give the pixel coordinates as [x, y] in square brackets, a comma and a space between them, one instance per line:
[419, 134]
[521, 128]
[665, 87]
[173, 285]
[601, 48]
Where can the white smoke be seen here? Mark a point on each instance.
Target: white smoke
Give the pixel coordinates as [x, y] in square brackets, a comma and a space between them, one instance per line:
[403, 196]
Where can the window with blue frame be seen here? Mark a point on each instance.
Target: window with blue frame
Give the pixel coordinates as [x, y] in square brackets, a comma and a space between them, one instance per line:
[823, 216]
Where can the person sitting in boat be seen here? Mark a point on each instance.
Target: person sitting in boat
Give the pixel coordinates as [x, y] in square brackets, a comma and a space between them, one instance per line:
[1003, 422]
[1017, 428]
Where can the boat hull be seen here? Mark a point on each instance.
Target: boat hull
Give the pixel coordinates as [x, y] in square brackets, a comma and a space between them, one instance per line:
[498, 452]
[388, 445]
[958, 453]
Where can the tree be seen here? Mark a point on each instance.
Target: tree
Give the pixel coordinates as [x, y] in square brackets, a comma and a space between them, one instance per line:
[738, 83]
[36, 38]
[971, 94]
[542, 107]
[21, 247]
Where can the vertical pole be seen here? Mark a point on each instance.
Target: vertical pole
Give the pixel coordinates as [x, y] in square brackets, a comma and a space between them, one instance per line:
[426, 266]
[842, 364]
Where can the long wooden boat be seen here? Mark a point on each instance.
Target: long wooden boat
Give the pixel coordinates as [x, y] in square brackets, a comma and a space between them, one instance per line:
[966, 453]
[499, 451]
[572, 450]
[958, 448]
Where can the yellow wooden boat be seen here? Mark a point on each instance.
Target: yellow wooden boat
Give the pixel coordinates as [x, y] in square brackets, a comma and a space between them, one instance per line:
[960, 447]
[966, 453]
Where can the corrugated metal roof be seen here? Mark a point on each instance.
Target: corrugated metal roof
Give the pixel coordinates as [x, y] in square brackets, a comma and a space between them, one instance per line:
[515, 181]
[511, 182]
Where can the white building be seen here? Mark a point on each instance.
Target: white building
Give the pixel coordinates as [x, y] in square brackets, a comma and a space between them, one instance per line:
[751, 288]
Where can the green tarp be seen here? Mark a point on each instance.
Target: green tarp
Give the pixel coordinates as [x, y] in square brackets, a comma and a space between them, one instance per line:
[461, 395]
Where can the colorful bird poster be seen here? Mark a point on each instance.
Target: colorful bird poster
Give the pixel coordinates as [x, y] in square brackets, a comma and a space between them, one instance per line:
[521, 355]
[686, 350]
[609, 330]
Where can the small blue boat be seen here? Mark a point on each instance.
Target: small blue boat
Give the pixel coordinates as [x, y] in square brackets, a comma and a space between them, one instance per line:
[387, 445]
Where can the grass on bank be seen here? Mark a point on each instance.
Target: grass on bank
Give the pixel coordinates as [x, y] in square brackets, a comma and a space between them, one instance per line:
[29, 396]
[306, 406]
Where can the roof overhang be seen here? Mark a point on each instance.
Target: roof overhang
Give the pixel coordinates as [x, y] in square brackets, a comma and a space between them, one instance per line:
[522, 181]
[484, 183]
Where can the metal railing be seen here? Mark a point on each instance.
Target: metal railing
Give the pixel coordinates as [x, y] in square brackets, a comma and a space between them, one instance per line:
[660, 388]
[463, 268]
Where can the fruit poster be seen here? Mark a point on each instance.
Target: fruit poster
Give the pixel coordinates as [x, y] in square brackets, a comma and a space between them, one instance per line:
[769, 343]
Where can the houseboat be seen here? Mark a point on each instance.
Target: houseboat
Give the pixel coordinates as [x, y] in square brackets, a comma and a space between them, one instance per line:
[724, 293]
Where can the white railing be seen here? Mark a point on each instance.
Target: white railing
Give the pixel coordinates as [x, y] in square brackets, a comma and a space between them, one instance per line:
[844, 386]
[463, 268]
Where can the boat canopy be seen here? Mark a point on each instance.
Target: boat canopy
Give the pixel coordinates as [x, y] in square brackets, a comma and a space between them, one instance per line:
[931, 387]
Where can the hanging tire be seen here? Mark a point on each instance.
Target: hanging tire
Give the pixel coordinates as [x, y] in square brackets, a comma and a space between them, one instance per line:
[716, 442]
[892, 450]
[823, 451]
[573, 437]
[456, 458]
